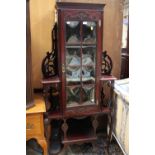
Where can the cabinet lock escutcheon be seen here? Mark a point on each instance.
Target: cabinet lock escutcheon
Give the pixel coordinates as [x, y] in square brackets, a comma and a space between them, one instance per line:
[63, 68]
[99, 23]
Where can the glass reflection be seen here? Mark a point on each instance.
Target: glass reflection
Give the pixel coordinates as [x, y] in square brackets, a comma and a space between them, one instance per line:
[73, 95]
[72, 31]
[89, 32]
[73, 73]
[88, 55]
[88, 73]
[73, 56]
[88, 96]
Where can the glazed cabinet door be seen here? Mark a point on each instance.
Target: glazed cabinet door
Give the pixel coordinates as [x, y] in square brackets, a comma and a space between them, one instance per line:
[80, 63]
[81, 57]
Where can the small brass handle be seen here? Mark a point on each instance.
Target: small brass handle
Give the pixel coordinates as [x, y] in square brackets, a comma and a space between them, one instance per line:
[63, 68]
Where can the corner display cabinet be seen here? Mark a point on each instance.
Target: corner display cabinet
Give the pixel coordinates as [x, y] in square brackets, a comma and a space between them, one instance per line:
[76, 94]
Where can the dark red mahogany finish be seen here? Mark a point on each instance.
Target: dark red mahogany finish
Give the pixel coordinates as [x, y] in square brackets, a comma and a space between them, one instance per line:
[79, 12]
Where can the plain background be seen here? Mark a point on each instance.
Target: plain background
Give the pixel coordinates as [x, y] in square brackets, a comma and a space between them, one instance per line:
[13, 77]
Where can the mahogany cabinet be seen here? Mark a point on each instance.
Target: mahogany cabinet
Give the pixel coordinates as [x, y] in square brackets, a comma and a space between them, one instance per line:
[80, 48]
[77, 89]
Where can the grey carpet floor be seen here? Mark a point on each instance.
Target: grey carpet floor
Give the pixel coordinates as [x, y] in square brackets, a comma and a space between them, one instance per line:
[85, 149]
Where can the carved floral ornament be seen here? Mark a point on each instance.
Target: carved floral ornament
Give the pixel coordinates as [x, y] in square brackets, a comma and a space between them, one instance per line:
[81, 15]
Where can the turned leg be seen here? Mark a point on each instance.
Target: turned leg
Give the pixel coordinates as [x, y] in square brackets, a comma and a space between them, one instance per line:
[64, 127]
[94, 146]
[64, 149]
[95, 123]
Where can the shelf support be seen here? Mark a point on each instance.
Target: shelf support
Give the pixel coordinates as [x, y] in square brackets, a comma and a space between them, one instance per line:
[64, 127]
[95, 123]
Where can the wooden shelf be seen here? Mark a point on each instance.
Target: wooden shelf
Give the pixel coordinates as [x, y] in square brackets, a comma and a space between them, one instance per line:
[79, 85]
[81, 44]
[107, 77]
[105, 110]
[53, 80]
[54, 115]
[89, 65]
[89, 111]
[59, 115]
[79, 138]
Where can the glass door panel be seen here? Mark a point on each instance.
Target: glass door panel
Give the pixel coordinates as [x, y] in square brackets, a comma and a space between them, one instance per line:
[88, 74]
[73, 57]
[73, 74]
[88, 64]
[88, 55]
[80, 61]
[88, 94]
[73, 96]
[72, 32]
[89, 32]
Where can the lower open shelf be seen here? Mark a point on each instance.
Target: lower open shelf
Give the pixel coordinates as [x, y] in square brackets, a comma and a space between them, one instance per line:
[54, 115]
[80, 137]
[66, 132]
[79, 130]
[59, 115]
